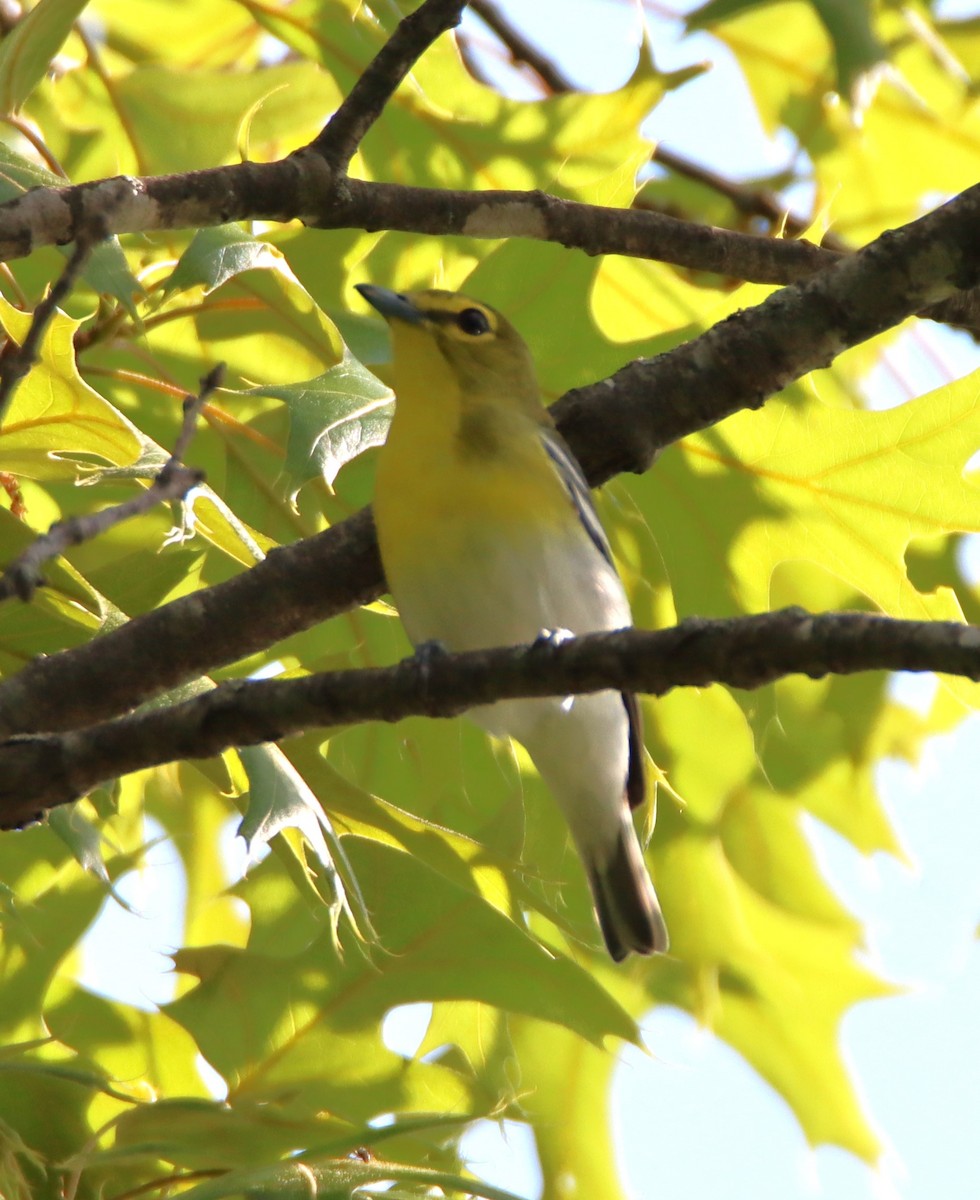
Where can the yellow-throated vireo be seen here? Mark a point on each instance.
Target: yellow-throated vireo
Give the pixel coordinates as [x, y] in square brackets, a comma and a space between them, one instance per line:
[488, 536]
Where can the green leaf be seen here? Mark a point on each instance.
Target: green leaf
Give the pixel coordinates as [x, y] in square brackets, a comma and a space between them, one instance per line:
[107, 273]
[45, 1098]
[332, 419]
[18, 174]
[211, 33]
[261, 321]
[338, 1179]
[279, 799]
[84, 839]
[857, 48]
[144, 1054]
[580, 145]
[54, 415]
[27, 50]
[744, 969]
[918, 113]
[48, 914]
[560, 1074]
[206, 1135]
[196, 118]
[441, 941]
[859, 487]
[216, 255]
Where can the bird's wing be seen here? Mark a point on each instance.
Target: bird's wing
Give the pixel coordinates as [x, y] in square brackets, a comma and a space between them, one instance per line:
[575, 483]
[577, 487]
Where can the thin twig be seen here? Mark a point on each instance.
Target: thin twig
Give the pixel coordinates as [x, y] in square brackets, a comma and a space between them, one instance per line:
[40, 771]
[120, 109]
[758, 202]
[30, 134]
[753, 202]
[343, 133]
[520, 49]
[16, 363]
[173, 482]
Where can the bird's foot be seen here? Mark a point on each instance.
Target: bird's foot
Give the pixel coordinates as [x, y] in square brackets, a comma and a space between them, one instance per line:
[551, 637]
[426, 655]
[547, 639]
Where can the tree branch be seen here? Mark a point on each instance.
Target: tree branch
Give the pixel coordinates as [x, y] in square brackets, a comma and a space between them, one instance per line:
[303, 186]
[39, 772]
[344, 132]
[522, 50]
[615, 425]
[754, 353]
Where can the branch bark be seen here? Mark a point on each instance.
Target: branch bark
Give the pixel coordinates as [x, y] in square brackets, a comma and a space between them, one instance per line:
[306, 186]
[40, 772]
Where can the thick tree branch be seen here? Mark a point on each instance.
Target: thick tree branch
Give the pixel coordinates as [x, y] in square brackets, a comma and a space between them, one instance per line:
[741, 361]
[303, 186]
[617, 424]
[39, 772]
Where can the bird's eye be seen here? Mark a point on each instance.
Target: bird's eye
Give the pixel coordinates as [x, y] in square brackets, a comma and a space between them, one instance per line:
[473, 321]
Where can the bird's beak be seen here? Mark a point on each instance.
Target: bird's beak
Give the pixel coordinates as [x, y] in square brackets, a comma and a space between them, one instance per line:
[392, 305]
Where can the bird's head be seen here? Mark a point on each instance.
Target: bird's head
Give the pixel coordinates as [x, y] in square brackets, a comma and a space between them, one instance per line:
[435, 331]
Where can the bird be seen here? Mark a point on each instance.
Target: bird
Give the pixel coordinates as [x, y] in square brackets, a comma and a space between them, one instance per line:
[488, 537]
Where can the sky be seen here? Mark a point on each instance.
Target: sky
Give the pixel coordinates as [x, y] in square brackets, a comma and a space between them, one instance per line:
[692, 1119]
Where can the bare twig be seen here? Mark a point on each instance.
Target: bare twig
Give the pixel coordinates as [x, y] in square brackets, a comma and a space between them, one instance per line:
[15, 363]
[343, 133]
[752, 201]
[520, 49]
[39, 772]
[749, 200]
[173, 482]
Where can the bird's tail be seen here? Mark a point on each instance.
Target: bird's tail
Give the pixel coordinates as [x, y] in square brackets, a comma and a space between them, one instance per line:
[625, 902]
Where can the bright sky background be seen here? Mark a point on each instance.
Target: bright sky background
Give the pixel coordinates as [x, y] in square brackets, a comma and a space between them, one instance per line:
[692, 1119]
